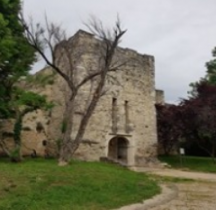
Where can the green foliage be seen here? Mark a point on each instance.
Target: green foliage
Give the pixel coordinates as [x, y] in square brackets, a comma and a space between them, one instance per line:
[6, 42]
[210, 76]
[193, 92]
[29, 99]
[4, 109]
[211, 69]
[15, 153]
[39, 184]
[40, 79]
[17, 130]
[24, 102]
[16, 55]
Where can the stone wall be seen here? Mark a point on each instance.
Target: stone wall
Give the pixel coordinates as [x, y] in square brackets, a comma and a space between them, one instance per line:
[129, 98]
[160, 97]
[135, 86]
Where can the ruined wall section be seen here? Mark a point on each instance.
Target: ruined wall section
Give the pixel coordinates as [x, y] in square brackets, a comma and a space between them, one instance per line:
[36, 133]
[159, 97]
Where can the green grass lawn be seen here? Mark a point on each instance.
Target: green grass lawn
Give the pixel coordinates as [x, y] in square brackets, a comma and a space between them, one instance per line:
[41, 184]
[203, 164]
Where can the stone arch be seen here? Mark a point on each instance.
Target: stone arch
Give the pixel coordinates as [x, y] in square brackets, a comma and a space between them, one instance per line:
[118, 149]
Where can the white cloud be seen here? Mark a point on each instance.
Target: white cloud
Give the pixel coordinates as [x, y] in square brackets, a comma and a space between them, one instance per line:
[180, 34]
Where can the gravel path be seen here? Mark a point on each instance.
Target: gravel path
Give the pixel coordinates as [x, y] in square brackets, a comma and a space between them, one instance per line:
[180, 174]
[199, 194]
[191, 196]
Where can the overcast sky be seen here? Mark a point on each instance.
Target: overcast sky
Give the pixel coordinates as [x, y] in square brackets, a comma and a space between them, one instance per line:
[179, 33]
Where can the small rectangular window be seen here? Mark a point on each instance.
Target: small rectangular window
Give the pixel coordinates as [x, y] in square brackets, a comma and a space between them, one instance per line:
[114, 115]
[126, 108]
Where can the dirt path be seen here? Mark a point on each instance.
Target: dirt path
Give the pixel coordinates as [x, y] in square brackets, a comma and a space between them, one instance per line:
[199, 194]
[191, 196]
[180, 174]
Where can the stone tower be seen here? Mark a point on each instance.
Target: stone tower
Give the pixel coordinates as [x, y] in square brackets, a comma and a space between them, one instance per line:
[123, 126]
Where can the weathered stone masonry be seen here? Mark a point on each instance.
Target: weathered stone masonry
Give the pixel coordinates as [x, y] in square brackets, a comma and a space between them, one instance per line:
[123, 126]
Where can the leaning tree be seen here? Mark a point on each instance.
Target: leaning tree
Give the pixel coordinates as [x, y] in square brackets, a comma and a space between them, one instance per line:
[53, 38]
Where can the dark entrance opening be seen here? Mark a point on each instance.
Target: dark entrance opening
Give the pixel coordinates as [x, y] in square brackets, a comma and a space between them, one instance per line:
[118, 149]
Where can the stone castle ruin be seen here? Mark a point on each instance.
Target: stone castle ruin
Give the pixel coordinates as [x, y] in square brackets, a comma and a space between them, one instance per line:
[123, 125]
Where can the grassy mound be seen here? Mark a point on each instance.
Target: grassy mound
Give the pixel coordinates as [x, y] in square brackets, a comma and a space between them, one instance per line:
[41, 184]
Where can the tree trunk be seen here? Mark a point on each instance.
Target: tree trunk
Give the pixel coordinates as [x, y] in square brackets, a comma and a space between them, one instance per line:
[65, 153]
[16, 154]
[69, 146]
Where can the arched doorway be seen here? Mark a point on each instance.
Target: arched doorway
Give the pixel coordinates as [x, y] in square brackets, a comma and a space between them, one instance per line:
[118, 149]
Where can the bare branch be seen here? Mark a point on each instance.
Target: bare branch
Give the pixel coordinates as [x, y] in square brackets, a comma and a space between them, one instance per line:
[51, 37]
[54, 39]
[110, 42]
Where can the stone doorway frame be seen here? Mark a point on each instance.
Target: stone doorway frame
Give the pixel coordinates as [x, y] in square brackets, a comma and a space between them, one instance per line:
[118, 149]
[125, 148]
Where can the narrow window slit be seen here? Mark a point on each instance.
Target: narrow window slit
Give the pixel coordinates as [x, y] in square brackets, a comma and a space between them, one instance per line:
[114, 115]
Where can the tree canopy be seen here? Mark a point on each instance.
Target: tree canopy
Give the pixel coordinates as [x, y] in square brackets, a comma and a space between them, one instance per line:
[194, 119]
[211, 69]
[200, 118]
[16, 56]
[210, 76]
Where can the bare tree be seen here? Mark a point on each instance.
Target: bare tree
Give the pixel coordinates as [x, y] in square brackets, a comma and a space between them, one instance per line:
[53, 38]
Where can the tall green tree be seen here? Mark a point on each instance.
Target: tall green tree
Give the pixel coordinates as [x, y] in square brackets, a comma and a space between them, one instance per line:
[16, 56]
